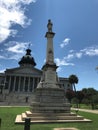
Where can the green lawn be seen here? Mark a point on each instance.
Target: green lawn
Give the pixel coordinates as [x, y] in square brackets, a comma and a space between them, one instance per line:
[8, 115]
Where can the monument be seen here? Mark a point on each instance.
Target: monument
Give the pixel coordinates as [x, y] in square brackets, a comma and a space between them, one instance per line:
[49, 97]
[49, 103]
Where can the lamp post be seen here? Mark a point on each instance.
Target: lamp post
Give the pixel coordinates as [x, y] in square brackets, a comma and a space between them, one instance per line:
[27, 124]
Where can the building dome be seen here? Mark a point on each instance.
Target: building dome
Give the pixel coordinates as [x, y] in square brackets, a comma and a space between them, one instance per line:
[27, 59]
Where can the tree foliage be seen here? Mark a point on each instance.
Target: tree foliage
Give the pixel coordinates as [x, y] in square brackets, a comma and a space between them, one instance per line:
[90, 96]
[73, 79]
[80, 96]
[70, 94]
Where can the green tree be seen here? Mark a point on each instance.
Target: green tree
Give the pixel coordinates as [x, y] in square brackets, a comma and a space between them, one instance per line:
[91, 95]
[95, 100]
[70, 94]
[73, 79]
[80, 96]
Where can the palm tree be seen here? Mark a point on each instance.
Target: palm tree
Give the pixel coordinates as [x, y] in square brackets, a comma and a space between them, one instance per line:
[73, 79]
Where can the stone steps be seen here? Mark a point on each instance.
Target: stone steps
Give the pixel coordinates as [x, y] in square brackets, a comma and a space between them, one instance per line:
[37, 104]
[50, 108]
[30, 114]
[50, 111]
[53, 118]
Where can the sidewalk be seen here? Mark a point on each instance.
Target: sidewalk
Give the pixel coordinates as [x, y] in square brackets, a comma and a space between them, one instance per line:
[86, 110]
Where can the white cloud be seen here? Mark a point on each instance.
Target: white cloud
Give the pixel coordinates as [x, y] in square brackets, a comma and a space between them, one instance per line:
[15, 50]
[65, 42]
[73, 55]
[78, 54]
[2, 57]
[90, 51]
[18, 47]
[69, 57]
[66, 61]
[12, 12]
[2, 71]
[62, 62]
[70, 51]
[14, 57]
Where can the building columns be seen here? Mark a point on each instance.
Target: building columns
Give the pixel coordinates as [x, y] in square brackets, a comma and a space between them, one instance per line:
[14, 83]
[22, 83]
[33, 84]
[28, 84]
[19, 84]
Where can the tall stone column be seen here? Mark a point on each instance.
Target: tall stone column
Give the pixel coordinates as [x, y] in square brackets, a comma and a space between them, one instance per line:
[50, 51]
[49, 77]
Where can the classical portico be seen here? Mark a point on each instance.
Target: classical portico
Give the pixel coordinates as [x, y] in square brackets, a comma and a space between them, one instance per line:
[22, 83]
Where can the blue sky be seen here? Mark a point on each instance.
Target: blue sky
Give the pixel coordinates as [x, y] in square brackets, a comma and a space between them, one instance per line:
[75, 22]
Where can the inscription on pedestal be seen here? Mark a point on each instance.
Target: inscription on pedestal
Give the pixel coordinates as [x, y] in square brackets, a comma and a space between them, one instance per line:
[50, 77]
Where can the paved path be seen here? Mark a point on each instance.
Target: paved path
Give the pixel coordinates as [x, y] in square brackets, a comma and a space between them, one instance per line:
[87, 110]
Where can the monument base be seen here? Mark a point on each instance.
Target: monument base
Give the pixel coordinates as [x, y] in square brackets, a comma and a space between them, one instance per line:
[49, 106]
[50, 100]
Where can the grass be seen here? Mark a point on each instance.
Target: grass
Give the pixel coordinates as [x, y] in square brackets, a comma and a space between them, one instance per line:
[8, 115]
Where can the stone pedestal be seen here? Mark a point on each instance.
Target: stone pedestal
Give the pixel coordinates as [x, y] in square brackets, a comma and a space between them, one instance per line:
[49, 105]
[50, 100]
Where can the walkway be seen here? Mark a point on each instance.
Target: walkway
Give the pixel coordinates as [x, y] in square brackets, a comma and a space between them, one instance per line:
[87, 110]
